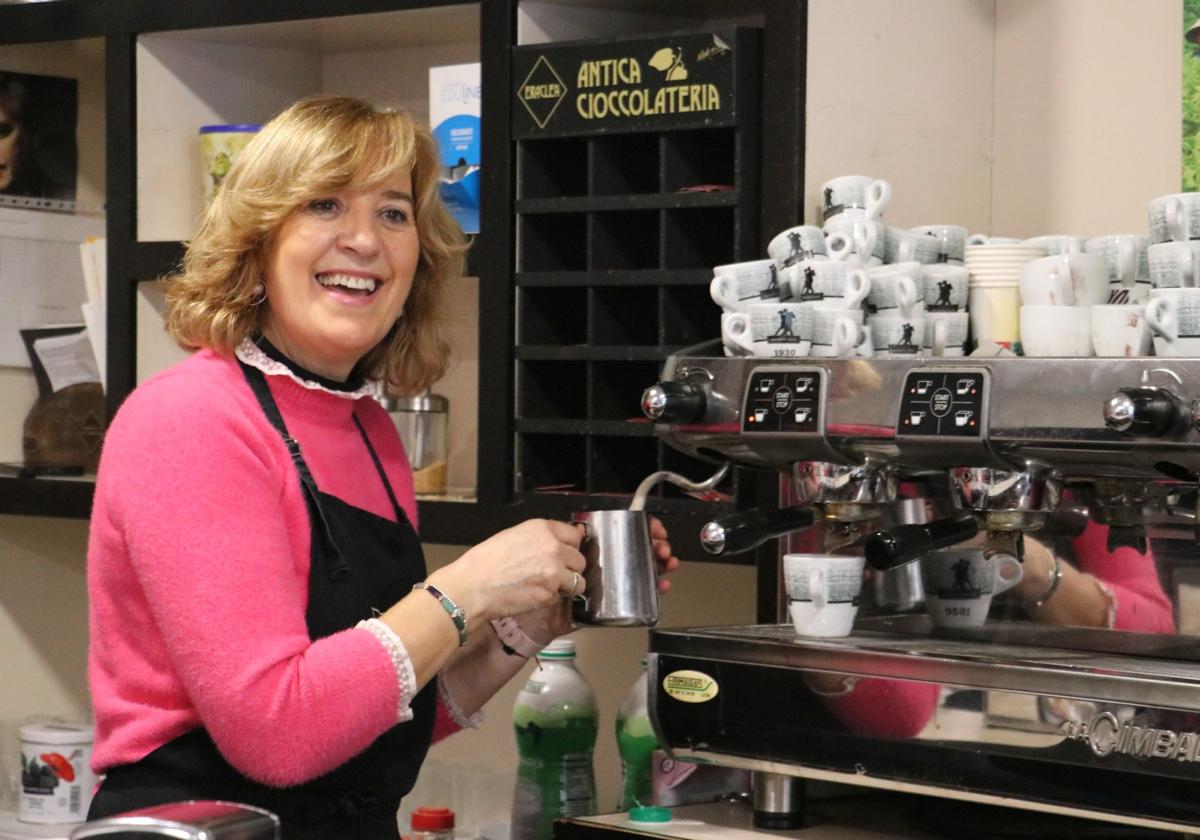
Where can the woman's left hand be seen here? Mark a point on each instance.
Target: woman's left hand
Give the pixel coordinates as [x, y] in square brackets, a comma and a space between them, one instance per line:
[667, 562]
[548, 623]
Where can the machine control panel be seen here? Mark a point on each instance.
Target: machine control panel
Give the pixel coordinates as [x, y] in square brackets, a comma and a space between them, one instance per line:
[940, 403]
[780, 400]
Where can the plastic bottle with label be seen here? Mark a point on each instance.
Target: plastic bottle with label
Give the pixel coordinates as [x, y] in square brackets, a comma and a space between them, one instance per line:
[635, 744]
[432, 824]
[556, 723]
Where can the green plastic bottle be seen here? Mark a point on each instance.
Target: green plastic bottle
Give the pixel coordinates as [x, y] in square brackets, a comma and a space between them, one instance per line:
[635, 744]
[556, 724]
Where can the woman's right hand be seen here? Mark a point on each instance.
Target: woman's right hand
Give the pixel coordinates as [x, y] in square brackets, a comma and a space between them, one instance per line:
[522, 568]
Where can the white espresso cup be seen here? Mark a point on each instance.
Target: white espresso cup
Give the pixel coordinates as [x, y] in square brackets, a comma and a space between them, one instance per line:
[802, 242]
[1120, 330]
[1174, 217]
[1082, 278]
[823, 591]
[826, 281]
[778, 330]
[1174, 264]
[839, 332]
[946, 288]
[959, 584]
[946, 333]
[1058, 244]
[952, 241]
[894, 289]
[909, 246]
[1174, 317]
[737, 285]
[1049, 287]
[735, 334]
[849, 192]
[1125, 255]
[864, 236]
[895, 335]
[1056, 330]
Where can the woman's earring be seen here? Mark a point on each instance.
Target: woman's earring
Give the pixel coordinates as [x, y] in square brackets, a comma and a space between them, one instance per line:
[261, 292]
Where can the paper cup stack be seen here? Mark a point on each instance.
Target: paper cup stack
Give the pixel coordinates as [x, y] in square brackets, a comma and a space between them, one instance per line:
[994, 281]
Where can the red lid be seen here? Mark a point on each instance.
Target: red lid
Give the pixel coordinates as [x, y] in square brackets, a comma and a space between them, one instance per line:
[431, 819]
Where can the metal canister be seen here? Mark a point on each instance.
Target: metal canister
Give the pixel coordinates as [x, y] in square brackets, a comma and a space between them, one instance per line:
[422, 424]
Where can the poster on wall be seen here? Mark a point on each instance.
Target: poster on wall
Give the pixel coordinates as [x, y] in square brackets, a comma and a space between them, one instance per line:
[1191, 96]
[38, 154]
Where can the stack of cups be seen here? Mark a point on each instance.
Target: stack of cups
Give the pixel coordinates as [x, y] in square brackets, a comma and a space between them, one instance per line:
[748, 292]
[1173, 313]
[895, 306]
[994, 295]
[947, 322]
[1057, 296]
[852, 206]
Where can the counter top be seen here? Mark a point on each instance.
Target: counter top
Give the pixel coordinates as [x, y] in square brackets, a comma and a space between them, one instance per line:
[12, 829]
[872, 815]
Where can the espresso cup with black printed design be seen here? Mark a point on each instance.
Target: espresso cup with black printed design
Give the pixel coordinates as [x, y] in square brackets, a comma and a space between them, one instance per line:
[855, 195]
[947, 288]
[802, 242]
[1174, 317]
[960, 583]
[823, 592]
[737, 285]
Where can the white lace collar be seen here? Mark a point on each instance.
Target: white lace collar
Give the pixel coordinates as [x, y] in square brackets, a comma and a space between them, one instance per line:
[253, 355]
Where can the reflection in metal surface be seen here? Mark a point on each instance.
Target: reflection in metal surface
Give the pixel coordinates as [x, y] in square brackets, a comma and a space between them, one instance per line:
[1022, 710]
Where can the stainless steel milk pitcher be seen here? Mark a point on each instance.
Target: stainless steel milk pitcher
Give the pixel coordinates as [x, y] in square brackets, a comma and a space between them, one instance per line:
[621, 577]
[620, 581]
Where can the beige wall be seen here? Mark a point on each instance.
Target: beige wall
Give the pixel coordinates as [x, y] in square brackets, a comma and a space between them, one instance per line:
[902, 91]
[1011, 117]
[1087, 114]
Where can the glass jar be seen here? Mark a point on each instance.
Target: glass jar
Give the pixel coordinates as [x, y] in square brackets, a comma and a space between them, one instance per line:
[421, 422]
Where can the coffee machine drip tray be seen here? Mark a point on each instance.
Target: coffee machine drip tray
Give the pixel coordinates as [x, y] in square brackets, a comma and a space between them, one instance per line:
[1013, 656]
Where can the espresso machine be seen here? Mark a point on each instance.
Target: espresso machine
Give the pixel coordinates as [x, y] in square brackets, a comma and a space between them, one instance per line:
[1082, 722]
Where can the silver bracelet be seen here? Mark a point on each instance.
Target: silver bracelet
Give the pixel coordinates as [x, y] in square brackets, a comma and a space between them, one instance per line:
[1055, 577]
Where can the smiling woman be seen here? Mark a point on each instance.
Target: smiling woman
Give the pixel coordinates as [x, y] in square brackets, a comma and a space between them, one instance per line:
[321, 170]
[262, 626]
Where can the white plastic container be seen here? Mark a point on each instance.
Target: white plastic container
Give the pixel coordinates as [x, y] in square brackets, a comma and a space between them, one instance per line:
[56, 774]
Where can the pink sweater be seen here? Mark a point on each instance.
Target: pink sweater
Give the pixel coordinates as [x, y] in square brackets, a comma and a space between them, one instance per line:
[198, 560]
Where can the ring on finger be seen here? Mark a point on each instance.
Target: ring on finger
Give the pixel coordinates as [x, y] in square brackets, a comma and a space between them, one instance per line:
[572, 590]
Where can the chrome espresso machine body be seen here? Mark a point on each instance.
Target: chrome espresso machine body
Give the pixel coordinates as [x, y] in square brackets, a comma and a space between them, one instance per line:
[1089, 722]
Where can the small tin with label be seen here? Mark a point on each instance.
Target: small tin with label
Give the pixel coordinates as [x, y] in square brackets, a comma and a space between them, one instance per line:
[56, 774]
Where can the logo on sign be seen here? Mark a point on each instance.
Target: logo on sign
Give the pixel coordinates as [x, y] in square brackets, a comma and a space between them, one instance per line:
[542, 92]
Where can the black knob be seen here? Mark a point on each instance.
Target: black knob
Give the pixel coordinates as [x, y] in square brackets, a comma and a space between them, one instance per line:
[897, 546]
[673, 402]
[738, 532]
[1143, 412]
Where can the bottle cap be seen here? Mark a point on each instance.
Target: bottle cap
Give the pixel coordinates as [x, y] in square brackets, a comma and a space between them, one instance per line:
[558, 649]
[432, 819]
[650, 814]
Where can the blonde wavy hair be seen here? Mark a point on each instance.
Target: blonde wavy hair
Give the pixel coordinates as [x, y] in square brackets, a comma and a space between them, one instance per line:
[316, 147]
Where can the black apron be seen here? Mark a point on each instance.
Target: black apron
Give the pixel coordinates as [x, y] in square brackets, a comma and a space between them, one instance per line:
[361, 565]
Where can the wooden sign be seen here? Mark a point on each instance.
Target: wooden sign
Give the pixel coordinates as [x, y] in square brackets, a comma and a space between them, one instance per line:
[663, 82]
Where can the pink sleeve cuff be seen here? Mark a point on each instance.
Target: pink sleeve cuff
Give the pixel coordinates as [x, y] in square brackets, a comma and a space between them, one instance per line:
[406, 677]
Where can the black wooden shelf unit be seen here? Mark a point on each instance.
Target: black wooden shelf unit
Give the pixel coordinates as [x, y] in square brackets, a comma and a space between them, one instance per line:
[618, 223]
